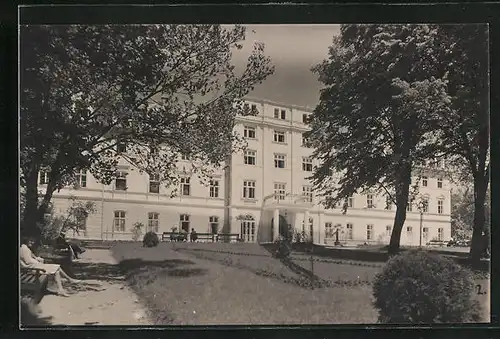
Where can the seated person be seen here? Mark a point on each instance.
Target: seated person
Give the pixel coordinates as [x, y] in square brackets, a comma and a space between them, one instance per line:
[74, 248]
[194, 235]
[29, 260]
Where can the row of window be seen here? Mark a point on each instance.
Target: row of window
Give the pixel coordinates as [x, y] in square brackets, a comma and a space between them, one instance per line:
[279, 113]
[119, 222]
[425, 182]
[154, 183]
[307, 193]
[280, 160]
[279, 136]
[330, 231]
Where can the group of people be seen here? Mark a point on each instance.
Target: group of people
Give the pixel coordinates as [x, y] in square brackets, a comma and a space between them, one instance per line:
[29, 260]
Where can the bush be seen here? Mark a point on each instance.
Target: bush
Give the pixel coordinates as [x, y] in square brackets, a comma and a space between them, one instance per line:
[419, 287]
[150, 240]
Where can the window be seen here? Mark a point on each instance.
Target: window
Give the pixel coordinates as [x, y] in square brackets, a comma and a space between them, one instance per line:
[349, 232]
[279, 160]
[388, 230]
[307, 164]
[119, 221]
[185, 186]
[154, 183]
[305, 118]
[153, 222]
[250, 157]
[409, 231]
[279, 114]
[249, 189]
[213, 223]
[388, 203]
[440, 234]
[424, 181]
[425, 205]
[248, 230]
[409, 207]
[81, 178]
[440, 206]
[440, 182]
[305, 141]
[307, 193]
[121, 147]
[369, 201]
[121, 181]
[44, 177]
[425, 233]
[350, 202]
[184, 221]
[328, 230]
[369, 232]
[184, 157]
[249, 132]
[214, 188]
[279, 136]
[279, 191]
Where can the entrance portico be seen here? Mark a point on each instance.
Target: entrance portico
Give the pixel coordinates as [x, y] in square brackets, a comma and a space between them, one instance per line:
[286, 209]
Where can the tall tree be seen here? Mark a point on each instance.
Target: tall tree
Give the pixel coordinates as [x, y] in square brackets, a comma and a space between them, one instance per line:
[463, 50]
[164, 90]
[462, 213]
[377, 116]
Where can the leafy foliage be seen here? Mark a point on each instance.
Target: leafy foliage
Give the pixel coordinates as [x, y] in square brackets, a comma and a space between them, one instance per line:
[150, 240]
[418, 287]
[74, 219]
[378, 113]
[164, 90]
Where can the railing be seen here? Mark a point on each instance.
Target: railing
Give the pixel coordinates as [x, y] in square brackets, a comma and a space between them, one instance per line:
[287, 199]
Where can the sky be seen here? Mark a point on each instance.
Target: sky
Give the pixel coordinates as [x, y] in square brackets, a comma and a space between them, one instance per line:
[293, 49]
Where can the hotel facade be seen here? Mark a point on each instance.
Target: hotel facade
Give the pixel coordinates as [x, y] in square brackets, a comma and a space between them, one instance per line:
[257, 193]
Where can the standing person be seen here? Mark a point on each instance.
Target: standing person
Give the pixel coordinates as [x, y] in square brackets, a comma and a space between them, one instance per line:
[29, 260]
[194, 235]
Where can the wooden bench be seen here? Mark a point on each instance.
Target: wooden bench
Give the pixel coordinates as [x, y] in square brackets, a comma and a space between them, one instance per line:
[206, 236]
[173, 236]
[33, 282]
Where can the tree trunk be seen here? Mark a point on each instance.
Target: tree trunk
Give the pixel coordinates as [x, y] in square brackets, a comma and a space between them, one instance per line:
[480, 186]
[402, 192]
[29, 220]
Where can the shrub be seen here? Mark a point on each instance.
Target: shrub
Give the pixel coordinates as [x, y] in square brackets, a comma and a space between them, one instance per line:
[137, 231]
[419, 287]
[150, 240]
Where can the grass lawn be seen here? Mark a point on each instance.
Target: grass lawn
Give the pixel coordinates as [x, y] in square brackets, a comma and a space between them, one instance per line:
[180, 288]
[205, 283]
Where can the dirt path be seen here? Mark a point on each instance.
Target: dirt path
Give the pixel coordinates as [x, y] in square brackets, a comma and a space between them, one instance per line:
[97, 302]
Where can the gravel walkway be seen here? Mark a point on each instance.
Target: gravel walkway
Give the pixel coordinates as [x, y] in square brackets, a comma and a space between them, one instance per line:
[96, 302]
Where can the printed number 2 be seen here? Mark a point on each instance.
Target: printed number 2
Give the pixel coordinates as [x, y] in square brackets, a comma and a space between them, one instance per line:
[479, 290]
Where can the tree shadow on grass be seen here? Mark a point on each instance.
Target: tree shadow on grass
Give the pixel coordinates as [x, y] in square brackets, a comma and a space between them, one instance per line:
[151, 270]
[97, 271]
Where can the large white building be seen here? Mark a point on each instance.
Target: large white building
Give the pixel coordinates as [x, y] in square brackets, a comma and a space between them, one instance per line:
[256, 189]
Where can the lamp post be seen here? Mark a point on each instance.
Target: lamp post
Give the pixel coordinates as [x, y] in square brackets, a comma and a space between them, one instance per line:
[421, 219]
[421, 205]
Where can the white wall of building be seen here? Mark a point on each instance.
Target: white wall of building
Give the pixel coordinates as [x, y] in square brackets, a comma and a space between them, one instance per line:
[137, 202]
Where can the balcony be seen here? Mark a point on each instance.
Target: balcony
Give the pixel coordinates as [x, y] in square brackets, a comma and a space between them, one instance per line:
[294, 202]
